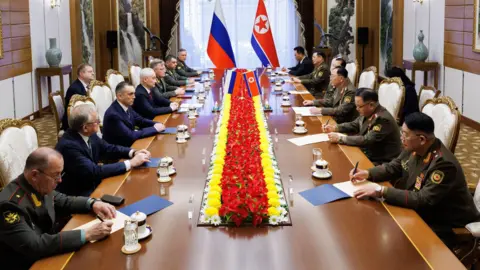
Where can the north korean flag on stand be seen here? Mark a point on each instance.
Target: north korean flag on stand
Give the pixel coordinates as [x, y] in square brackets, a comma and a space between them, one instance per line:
[262, 39]
[252, 83]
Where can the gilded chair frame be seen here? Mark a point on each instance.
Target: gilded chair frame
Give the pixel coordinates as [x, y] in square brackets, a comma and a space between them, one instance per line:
[94, 83]
[357, 75]
[113, 71]
[454, 109]
[375, 72]
[428, 88]
[54, 108]
[398, 81]
[76, 98]
[8, 123]
[130, 71]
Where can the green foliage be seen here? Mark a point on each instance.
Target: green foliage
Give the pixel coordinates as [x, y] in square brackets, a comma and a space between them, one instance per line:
[339, 26]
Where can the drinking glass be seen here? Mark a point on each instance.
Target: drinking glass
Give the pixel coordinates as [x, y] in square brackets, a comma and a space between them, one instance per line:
[317, 155]
[130, 235]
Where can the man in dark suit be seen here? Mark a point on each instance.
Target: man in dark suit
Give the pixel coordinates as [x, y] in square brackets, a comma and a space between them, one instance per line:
[182, 68]
[120, 119]
[82, 150]
[28, 207]
[172, 77]
[144, 103]
[162, 89]
[304, 66]
[85, 75]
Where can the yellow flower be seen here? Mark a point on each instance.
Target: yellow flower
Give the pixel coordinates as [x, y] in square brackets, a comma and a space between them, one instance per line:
[214, 182]
[272, 211]
[273, 195]
[216, 188]
[214, 203]
[274, 202]
[216, 177]
[271, 187]
[269, 180]
[217, 170]
[213, 195]
[211, 211]
[219, 160]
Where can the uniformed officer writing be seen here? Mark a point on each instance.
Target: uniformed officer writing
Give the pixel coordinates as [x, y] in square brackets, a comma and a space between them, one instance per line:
[28, 206]
[375, 130]
[425, 177]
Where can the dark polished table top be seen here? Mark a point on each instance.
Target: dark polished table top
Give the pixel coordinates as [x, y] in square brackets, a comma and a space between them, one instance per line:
[347, 234]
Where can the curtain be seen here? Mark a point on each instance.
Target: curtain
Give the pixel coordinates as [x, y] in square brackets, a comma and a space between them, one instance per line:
[196, 19]
[168, 13]
[305, 9]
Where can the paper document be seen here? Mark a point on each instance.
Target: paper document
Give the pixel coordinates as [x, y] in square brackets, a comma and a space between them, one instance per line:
[298, 92]
[349, 188]
[118, 223]
[300, 141]
[187, 105]
[305, 111]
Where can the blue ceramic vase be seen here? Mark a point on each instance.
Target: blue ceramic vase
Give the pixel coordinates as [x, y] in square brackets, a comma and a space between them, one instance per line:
[420, 52]
[54, 54]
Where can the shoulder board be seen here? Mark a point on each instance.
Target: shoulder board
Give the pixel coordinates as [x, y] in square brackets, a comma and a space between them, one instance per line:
[17, 196]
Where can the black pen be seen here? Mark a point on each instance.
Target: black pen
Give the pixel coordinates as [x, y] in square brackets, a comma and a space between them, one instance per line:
[354, 171]
[101, 219]
[328, 120]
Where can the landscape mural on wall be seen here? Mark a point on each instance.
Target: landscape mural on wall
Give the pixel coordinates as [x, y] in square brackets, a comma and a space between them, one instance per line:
[386, 36]
[88, 39]
[342, 26]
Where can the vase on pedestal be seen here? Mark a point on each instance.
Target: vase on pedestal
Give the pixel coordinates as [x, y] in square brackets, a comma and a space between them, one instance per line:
[420, 52]
[54, 54]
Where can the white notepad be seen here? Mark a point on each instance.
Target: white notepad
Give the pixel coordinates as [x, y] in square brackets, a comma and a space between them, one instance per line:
[118, 223]
[187, 105]
[300, 141]
[298, 92]
[349, 188]
[304, 111]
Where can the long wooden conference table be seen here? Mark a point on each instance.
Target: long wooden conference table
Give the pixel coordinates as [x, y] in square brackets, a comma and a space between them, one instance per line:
[347, 234]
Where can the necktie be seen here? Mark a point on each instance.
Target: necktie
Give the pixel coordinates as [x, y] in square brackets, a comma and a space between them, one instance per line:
[90, 147]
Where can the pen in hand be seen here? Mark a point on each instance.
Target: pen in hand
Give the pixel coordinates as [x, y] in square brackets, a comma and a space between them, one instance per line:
[354, 171]
[101, 219]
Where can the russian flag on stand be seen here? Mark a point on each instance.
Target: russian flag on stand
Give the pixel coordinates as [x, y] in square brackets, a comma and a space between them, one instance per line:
[253, 85]
[219, 48]
[262, 39]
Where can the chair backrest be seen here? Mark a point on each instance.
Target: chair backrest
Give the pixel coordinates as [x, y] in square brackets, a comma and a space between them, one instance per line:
[113, 78]
[77, 100]
[134, 74]
[426, 93]
[352, 69]
[18, 139]
[476, 196]
[391, 95]
[58, 108]
[368, 78]
[103, 97]
[446, 117]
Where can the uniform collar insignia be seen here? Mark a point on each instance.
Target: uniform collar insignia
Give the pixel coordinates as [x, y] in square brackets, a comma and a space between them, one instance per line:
[35, 200]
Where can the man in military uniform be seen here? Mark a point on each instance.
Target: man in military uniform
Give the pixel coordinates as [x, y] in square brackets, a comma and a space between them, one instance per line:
[172, 77]
[162, 89]
[375, 130]
[426, 177]
[182, 68]
[28, 206]
[317, 81]
[339, 104]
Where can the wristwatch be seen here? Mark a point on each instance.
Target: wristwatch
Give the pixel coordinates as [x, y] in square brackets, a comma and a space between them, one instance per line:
[91, 202]
[378, 190]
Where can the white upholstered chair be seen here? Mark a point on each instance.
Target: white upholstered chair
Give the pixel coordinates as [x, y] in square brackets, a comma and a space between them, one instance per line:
[446, 117]
[368, 78]
[17, 140]
[353, 71]
[79, 99]
[58, 110]
[134, 74]
[391, 95]
[103, 97]
[113, 78]
[426, 92]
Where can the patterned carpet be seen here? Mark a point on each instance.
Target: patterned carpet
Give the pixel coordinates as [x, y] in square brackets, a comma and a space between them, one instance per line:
[467, 150]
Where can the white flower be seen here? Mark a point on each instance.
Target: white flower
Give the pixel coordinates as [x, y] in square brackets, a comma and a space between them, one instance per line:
[284, 219]
[204, 219]
[283, 212]
[215, 220]
[274, 220]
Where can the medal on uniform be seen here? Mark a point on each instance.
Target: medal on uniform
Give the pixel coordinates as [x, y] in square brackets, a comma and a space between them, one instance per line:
[418, 183]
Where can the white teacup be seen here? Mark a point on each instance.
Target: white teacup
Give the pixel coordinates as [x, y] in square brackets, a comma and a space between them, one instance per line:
[299, 126]
[141, 219]
[321, 168]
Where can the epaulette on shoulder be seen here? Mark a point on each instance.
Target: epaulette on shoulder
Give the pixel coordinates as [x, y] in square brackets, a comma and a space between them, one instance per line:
[17, 196]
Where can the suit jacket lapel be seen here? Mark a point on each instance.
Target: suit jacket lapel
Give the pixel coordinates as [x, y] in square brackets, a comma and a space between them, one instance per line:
[127, 118]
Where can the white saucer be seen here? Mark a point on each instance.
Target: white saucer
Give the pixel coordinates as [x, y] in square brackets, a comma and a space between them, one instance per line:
[286, 105]
[174, 171]
[300, 132]
[327, 176]
[148, 232]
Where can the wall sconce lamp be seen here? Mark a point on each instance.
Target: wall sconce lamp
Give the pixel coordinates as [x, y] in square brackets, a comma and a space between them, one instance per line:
[418, 1]
[55, 3]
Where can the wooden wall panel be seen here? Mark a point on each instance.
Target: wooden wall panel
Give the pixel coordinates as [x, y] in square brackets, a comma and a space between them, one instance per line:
[458, 52]
[17, 54]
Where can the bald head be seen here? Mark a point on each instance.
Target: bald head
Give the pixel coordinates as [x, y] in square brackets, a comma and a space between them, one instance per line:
[43, 169]
[40, 158]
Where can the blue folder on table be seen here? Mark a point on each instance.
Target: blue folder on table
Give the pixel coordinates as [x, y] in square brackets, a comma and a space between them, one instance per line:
[148, 206]
[198, 79]
[153, 163]
[169, 130]
[323, 194]
[189, 90]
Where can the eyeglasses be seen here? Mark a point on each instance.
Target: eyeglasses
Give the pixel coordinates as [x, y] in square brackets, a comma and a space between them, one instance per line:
[94, 122]
[56, 178]
[361, 106]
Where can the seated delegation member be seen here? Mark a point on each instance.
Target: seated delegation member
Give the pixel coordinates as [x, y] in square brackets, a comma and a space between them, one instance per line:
[80, 86]
[427, 178]
[82, 150]
[172, 77]
[304, 66]
[144, 103]
[316, 82]
[341, 103]
[182, 68]
[120, 119]
[375, 130]
[162, 89]
[28, 206]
